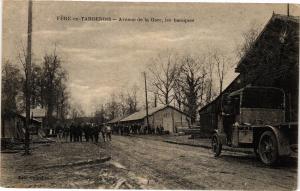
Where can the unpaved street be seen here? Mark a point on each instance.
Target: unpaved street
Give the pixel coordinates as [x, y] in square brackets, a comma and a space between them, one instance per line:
[141, 162]
[183, 167]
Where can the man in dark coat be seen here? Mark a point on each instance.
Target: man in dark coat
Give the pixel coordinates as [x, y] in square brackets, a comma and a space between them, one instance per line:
[72, 132]
[58, 131]
[86, 132]
[75, 133]
[80, 127]
[139, 129]
[66, 132]
[96, 130]
[228, 119]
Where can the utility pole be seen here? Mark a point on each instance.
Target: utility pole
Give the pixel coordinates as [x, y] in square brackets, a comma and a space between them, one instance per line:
[147, 114]
[155, 99]
[28, 78]
[288, 9]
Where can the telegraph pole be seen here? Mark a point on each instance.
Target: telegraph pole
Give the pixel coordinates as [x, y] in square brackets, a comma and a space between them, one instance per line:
[288, 9]
[147, 114]
[155, 99]
[28, 78]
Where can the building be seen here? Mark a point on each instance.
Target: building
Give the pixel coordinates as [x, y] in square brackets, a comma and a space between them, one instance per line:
[169, 117]
[13, 126]
[272, 61]
[38, 115]
[116, 120]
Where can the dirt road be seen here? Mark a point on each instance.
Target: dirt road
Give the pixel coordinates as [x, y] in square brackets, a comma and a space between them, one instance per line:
[170, 166]
[141, 162]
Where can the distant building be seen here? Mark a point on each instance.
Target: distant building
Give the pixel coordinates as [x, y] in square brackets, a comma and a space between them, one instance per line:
[169, 117]
[39, 115]
[272, 61]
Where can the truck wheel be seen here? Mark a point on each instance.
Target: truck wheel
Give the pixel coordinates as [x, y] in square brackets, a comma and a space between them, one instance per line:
[216, 145]
[268, 148]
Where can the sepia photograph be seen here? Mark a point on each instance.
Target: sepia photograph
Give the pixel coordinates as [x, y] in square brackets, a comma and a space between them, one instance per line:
[149, 95]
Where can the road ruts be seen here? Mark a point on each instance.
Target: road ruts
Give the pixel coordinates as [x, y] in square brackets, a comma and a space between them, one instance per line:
[183, 167]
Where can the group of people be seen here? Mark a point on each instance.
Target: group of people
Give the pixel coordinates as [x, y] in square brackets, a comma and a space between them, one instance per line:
[89, 132]
[77, 131]
[137, 129]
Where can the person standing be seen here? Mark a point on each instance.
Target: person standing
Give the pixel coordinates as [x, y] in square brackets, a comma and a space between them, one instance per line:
[66, 132]
[80, 127]
[86, 132]
[91, 131]
[108, 132]
[96, 131]
[72, 134]
[58, 131]
[122, 129]
[103, 132]
[139, 129]
[75, 133]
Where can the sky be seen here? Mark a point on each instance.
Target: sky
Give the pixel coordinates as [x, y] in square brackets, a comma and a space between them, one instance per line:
[105, 57]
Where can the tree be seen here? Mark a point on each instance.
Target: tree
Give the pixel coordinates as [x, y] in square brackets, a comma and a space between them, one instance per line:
[62, 101]
[163, 72]
[220, 62]
[190, 85]
[122, 103]
[11, 86]
[53, 85]
[112, 107]
[131, 100]
[210, 68]
[249, 38]
[76, 111]
[61, 95]
[100, 115]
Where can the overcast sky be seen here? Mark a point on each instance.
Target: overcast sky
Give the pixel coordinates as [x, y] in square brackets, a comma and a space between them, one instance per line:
[102, 57]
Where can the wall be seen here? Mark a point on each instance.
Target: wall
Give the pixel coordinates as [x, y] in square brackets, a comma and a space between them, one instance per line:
[11, 127]
[169, 118]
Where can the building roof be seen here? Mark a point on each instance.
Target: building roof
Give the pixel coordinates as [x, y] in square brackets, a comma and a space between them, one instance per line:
[23, 116]
[274, 17]
[116, 120]
[36, 113]
[261, 88]
[142, 114]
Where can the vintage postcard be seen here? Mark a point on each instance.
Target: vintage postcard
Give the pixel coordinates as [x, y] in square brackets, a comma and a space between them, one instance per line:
[149, 95]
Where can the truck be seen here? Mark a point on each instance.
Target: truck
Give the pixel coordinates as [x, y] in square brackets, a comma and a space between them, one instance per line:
[254, 117]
